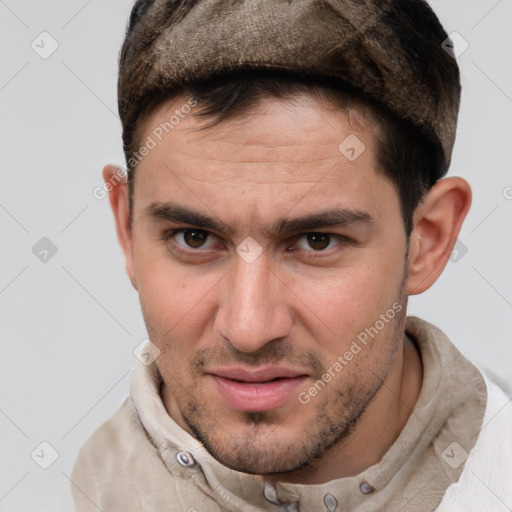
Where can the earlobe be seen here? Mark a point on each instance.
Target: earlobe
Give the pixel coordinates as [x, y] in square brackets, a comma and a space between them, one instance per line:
[437, 223]
[118, 195]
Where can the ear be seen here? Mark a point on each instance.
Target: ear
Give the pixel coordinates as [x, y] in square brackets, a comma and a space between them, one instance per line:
[437, 223]
[118, 197]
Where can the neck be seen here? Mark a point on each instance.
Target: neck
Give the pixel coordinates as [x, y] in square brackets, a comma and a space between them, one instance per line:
[377, 429]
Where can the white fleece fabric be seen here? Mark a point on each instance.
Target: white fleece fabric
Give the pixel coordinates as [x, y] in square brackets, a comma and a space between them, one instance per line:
[485, 485]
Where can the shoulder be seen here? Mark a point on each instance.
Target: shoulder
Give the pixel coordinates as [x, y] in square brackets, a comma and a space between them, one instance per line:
[121, 437]
[113, 464]
[486, 481]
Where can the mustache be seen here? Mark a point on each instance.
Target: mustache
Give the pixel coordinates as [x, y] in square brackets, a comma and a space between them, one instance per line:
[270, 353]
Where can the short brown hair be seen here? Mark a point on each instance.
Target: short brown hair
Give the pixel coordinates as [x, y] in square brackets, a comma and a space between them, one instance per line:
[227, 54]
[409, 160]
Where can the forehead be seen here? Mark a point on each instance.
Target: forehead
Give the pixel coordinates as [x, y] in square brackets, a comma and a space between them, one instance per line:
[299, 129]
[282, 151]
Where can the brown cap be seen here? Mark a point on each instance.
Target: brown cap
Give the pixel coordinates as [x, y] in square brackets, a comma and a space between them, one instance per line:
[389, 50]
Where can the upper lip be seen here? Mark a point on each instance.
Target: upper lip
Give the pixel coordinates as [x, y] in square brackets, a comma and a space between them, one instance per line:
[263, 374]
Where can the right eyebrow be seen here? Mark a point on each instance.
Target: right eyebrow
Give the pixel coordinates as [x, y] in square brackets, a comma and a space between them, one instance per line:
[336, 217]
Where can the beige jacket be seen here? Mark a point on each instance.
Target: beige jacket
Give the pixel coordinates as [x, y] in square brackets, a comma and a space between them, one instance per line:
[455, 453]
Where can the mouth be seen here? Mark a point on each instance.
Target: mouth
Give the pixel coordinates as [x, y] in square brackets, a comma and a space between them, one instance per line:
[257, 390]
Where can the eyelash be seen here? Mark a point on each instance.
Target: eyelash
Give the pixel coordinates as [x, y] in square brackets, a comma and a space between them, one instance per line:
[168, 235]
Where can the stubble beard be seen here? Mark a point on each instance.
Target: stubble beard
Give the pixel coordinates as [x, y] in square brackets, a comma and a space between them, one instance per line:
[262, 449]
[265, 448]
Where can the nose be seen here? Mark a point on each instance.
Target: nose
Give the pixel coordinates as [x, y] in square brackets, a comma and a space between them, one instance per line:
[254, 305]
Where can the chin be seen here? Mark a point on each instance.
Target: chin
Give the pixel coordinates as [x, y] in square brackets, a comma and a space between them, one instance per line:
[260, 445]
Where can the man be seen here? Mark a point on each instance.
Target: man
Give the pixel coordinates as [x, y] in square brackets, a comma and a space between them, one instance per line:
[285, 195]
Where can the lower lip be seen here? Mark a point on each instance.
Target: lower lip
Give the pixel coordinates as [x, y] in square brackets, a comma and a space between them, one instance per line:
[257, 396]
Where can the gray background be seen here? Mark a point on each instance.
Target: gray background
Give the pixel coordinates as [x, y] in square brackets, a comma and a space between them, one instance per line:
[69, 325]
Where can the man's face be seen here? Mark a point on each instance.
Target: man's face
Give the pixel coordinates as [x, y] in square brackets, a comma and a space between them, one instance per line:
[247, 337]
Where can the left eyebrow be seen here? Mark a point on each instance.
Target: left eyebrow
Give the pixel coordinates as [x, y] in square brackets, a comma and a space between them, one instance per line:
[336, 217]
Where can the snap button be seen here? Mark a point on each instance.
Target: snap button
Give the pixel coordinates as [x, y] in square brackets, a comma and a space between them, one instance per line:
[270, 492]
[366, 488]
[289, 507]
[185, 458]
[331, 503]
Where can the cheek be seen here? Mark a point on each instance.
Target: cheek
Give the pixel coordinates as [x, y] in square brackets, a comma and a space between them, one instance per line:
[177, 302]
[161, 288]
[346, 303]
[351, 293]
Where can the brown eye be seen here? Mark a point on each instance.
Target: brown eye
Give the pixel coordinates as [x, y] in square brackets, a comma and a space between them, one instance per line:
[189, 238]
[317, 241]
[194, 238]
